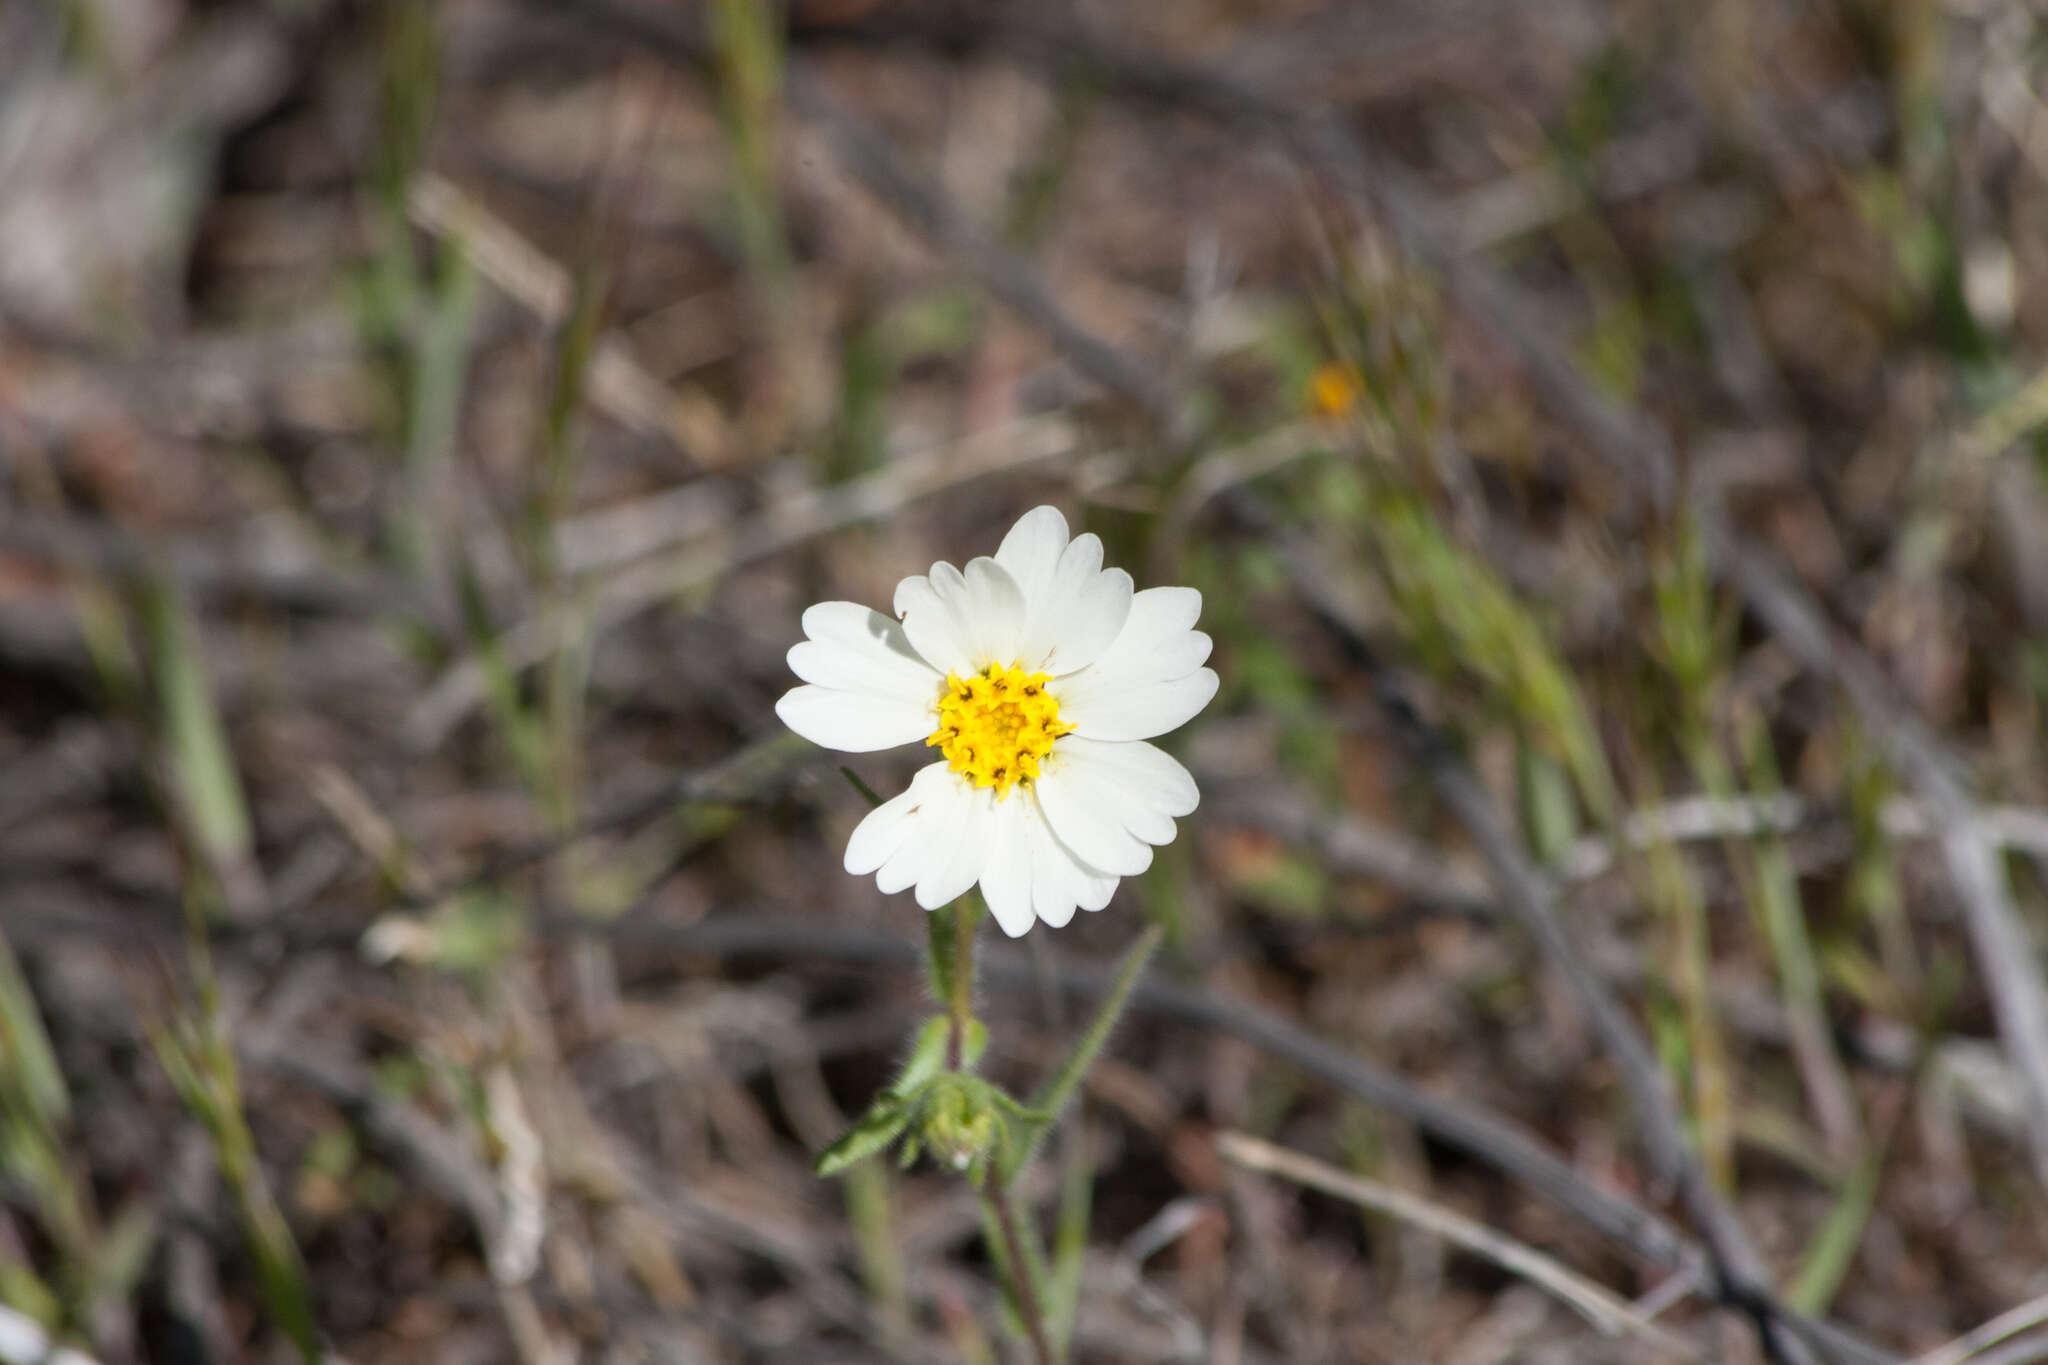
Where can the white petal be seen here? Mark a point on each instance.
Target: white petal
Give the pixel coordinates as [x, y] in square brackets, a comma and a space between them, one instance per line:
[959, 866]
[1082, 609]
[1074, 606]
[962, 622]
[934, 821]
[1055, 902]
[1141, 711]
[1097, 892]
[1031, 875]
[1158, 617]
[853, 722]
[1081, 809]
[931, 626]
[888, 826]
[904, 867]
[1056, 886]
[1151, 788]
[1032, 549]
[854, 649]
[1007, 874]
[880, 833]
[998, 613]
[1158, 644]
[1060, 883]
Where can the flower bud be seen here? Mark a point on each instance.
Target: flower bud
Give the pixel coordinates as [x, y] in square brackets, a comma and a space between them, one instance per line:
[961, 1126]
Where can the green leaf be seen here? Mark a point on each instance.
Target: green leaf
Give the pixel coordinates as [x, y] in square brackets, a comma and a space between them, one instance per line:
[26, 1057]
[876, 1129]
[118, 1262]
[927, 1059]
[25, 1292]
[474, 930]
[519, 726]
[1550, 818]
[1834, 1246]
[202, 769]
[1045, 1105]
[973, 1045]
[1070, 1242]
[1022, 1113]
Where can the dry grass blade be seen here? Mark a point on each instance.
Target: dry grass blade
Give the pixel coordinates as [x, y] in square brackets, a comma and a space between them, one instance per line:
[619, 385]
[2004, 1327]
[704, 559]
[2012, 972]
[1597, 1305]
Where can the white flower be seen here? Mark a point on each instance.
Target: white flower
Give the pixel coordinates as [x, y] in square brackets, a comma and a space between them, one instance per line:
[1039, 675]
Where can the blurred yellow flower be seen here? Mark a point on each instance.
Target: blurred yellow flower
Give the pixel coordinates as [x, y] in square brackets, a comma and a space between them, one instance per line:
[1334, 389]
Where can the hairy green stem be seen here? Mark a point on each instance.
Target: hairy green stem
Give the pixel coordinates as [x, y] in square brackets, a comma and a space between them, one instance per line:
[960, 1003]
[1022, 1289]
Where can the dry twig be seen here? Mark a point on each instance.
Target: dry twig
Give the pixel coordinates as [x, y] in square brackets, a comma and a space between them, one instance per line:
[1597, 1305]
[2004, 1327]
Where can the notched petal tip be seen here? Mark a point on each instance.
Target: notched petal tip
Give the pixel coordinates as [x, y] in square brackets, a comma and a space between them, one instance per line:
[1011, 912]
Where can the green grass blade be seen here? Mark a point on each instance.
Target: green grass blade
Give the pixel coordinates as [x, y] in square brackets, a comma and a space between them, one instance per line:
[1070, 1241]
[1833, 1248]
[1059, 1088]
[27, 1061]
[204, 782]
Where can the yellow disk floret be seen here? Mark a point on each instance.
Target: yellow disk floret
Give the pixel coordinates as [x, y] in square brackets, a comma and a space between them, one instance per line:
[997, 726]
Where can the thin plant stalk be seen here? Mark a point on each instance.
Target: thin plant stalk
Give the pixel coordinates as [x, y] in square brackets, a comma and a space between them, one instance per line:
[1024, 1289]
[966, 914]
[1013, 1250]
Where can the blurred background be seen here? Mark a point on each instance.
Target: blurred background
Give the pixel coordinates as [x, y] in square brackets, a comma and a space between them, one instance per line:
[1606, 437]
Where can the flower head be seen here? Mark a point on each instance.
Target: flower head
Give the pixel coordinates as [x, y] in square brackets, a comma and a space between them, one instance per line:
[1037, 675]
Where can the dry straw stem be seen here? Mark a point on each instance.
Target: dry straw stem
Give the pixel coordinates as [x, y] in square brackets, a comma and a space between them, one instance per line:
[1356, 847]
[869, 158]
[443, 1162]
[1350, 846]
[619, 386]
[702, 559]
[2004, 1327]
[752, 930]
[1597, 1305]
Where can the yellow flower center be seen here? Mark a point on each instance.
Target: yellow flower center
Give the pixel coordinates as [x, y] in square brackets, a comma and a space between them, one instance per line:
[997, 726]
